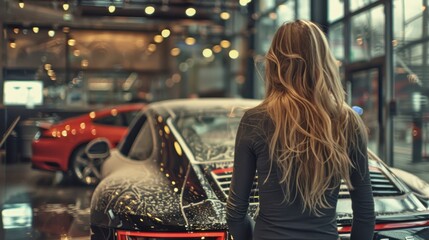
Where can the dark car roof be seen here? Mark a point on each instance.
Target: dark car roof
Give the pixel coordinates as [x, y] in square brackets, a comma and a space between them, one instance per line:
[176, 106]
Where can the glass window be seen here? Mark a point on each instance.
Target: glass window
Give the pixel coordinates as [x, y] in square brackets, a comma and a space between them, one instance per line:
[356, 4]
[408, 20]
[367, 29]
[335, 10]
[142, 147]
[210, 135]
[303, 9]
[266, 5]
[266, 28]
[109, 120]
[285, 12]
[336, 40]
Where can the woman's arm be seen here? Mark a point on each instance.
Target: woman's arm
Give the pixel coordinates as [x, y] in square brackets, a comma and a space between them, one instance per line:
[239, 222]
[362, 198]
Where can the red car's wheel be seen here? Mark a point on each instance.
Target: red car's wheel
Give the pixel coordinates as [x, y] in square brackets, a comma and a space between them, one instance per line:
[83, 169]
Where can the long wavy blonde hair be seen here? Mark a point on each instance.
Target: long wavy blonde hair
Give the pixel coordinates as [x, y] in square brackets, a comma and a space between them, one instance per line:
[314, 127]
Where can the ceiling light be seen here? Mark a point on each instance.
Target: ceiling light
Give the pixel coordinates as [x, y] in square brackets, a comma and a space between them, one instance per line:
[217, 48]
[112, 8]
[224, 15]
[35, 29]
[234, 54]
[51, 33]
[225, 44]
[207, 52]
[190, 12]
[149, 10]
[190, 40]
[244, 2]
[165, 33]
[151, 47]
[21, 4]
[71, 42]
[12, 43]
[66, 6]
[175, 52]
[158, 38]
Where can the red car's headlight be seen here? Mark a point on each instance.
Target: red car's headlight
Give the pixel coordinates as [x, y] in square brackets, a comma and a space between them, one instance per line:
[131, 235]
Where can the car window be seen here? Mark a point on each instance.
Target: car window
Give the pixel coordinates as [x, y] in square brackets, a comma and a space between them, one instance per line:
[109, 120]
[128, 117]
[138, 143]
[210, 135]
[142, 147]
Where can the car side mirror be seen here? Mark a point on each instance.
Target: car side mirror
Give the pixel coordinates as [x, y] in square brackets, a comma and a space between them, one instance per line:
[98, 148]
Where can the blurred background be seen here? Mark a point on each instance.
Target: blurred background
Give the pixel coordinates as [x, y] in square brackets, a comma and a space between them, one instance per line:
[63, 58]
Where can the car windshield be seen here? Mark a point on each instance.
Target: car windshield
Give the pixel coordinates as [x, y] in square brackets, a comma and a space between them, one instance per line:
[210, 135]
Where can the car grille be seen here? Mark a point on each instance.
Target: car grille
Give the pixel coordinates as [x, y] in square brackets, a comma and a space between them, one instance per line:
[223, 176]
[381, 185]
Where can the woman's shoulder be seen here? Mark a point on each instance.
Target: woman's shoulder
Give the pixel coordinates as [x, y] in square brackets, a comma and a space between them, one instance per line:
[256, 113]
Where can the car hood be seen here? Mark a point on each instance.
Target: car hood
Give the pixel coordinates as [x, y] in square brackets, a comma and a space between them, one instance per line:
[140, 196]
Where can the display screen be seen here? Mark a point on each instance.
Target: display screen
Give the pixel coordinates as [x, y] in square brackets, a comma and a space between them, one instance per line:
[27, 93]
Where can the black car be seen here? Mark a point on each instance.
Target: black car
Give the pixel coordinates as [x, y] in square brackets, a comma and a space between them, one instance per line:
[169, 179]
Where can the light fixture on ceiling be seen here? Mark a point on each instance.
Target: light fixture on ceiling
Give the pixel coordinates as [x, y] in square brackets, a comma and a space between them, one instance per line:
[71, 42]
[158, 38]
[149, 10]
[111, 8]
[175, 52]
[190, 41]
[234, 54]
[224, 15]
[21, 4]
[51, 33]
[165, 33]
[66, 5]
[190, 12]
[207, 52]
[12, 43]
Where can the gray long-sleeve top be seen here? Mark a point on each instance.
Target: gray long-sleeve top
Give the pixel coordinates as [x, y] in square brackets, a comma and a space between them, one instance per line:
[278, 219]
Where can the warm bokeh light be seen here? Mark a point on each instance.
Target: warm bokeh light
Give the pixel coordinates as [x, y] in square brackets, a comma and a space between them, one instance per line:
[224, 15]
[190, 12]
[76, 53]
[190, 41]
[16, 30]
[51, 73]
[71, 42]
[272, 15]
[66, 6]
[35, 29]
[51, 33]
[84, 63]
[175, 52]
[234, 54]
[114, 112]
[92, 114]
[149, 10]
[21, 4]
[151, 47]
[244, 2]
[225, 44]
[112, 8]
[48, 66]
[12, 44]
[217, 48]
[165, 33]
[207, 52]
[158, 38]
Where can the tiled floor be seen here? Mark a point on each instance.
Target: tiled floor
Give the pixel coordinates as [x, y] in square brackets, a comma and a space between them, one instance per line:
[38, 205]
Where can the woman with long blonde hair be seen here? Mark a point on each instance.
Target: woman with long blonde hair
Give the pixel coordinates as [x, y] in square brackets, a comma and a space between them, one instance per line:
[302, 140]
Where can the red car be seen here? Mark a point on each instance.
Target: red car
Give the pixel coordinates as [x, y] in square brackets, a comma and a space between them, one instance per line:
[61, 147]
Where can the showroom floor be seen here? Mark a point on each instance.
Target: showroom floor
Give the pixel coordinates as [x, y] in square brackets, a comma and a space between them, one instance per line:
[39, 205]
